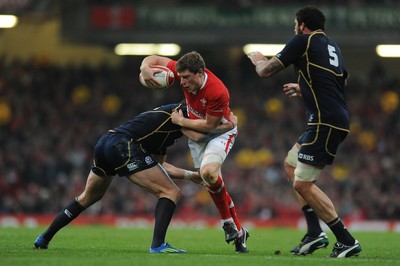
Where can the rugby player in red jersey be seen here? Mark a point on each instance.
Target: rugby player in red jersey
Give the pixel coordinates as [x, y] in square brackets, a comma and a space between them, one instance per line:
[207, 101]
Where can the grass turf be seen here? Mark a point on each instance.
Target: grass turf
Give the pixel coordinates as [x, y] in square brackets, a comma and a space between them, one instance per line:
[98, 245]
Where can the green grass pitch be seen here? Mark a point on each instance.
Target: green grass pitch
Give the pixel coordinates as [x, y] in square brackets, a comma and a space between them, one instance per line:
[100, 245]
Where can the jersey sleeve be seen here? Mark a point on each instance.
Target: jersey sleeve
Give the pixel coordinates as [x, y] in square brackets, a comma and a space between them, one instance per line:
[171, 65]
[293, 50]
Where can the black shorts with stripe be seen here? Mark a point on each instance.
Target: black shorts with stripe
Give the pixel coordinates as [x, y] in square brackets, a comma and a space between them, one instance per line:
[319, 144]
[118, 154]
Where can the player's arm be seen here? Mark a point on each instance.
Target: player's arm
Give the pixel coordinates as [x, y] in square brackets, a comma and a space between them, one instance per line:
[200, 137]
[202, 125]
[265, 67]
[225, 127]
[193, 135]
[180, 173]
[175, 172]
[148, 72]
[220, 129]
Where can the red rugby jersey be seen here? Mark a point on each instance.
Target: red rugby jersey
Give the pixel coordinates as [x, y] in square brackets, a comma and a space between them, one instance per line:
[212, 98]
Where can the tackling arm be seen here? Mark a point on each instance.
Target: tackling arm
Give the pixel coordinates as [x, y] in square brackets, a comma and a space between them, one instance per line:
[222, 128]
[201, 125]
[175, 172]
[179, 173]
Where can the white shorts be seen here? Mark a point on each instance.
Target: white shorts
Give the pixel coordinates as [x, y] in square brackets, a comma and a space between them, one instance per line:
[215, 150]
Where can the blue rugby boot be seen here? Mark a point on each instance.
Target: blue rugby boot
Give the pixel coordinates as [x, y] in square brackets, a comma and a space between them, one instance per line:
[166, 248]
[40, 243]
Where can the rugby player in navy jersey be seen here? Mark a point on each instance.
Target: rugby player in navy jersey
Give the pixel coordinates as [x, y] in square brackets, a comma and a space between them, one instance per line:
[137, 150]
[321, 82]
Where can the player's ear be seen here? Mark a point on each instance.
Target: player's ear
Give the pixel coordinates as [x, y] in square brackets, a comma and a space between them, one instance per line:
[302, 26]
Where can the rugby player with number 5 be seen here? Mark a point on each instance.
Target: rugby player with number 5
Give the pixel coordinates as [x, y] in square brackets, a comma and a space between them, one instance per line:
[321, 82]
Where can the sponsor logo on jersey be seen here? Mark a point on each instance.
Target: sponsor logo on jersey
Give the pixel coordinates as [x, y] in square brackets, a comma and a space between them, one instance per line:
[306, 157]
[148, 160]
[197, 114]
[132, 166]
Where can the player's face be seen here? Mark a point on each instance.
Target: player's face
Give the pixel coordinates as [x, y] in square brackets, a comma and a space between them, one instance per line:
[297, 28]
[191, 82]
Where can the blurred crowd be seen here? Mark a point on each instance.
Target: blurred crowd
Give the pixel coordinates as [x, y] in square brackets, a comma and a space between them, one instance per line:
[51, 118]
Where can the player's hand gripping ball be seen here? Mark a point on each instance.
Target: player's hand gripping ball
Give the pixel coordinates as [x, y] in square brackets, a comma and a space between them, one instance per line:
[164, 76]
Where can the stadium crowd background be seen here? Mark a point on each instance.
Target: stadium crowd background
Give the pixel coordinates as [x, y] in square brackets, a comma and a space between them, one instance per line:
[52, 116]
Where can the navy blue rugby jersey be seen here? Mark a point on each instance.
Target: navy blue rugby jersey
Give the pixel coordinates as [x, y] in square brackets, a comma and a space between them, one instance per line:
[153, 129]
[322, 76]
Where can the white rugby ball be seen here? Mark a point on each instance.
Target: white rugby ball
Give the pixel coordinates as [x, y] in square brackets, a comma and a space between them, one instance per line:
[164, 76]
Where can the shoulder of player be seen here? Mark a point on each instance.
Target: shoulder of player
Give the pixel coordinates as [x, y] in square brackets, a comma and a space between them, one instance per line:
[214, 81]
[167, 107]
[159, 114]
[299, 38]
[216, 89]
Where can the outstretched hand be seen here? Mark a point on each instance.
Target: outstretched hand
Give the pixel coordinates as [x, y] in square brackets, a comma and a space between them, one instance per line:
[292, 90]
[256, 57]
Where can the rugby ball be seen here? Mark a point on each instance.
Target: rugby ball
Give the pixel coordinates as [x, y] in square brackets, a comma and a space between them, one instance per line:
[163, 75]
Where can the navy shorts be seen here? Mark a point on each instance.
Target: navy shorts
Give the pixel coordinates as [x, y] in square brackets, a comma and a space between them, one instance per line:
[319, 144]
[119, 154]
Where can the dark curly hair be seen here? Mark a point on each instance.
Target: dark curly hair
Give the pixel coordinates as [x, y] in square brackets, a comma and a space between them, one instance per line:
[312, 18]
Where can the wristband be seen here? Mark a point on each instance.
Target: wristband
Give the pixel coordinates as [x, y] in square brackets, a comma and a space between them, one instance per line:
[188, 175]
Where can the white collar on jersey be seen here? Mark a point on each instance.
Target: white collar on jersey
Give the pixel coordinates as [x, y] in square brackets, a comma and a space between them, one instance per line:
[202, 85]
[204, 81]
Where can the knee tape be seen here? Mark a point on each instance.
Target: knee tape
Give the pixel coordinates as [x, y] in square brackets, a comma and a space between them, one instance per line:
[306, 172]
[292, 155]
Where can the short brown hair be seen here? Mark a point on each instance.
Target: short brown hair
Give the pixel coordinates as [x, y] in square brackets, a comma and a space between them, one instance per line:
[191, 61]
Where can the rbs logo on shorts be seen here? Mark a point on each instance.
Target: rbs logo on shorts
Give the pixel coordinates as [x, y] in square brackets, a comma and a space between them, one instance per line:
[306, 157]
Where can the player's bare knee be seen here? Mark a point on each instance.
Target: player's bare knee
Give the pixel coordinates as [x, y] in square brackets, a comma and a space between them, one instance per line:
[88, 199]
[210, 167]
[301, 187]
[208, 175]
[172, 193]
